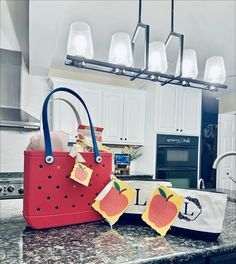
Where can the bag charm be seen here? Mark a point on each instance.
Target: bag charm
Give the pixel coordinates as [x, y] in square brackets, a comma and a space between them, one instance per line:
[114, 200]
[162, 209]
[81, 174]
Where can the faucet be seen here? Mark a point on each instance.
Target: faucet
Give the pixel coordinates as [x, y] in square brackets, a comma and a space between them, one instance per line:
[218, 159]
[201, 183]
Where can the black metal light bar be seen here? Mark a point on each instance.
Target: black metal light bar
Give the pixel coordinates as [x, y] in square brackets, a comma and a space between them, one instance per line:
[146, 47]
[138, 73]
[181, 43]
[131, 72]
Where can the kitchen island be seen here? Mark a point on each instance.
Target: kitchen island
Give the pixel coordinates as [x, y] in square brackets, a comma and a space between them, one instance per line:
[97, 243]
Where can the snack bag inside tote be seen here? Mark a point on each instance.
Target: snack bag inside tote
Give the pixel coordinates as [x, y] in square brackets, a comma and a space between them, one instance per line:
[114, 200]
[84, 139]
[162, 209]
[59, 141]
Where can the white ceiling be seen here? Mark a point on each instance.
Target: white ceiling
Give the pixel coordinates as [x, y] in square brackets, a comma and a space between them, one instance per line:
[209, 27]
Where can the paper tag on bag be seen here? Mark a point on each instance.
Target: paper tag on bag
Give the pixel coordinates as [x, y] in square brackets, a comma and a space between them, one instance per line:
[81, 174]
[114, 200]
[162, 209]
[75, 152]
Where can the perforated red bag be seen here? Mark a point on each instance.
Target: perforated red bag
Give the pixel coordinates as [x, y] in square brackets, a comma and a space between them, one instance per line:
[51, 198]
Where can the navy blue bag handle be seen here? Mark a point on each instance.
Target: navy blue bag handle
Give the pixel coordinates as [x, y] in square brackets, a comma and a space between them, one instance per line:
[49, 159]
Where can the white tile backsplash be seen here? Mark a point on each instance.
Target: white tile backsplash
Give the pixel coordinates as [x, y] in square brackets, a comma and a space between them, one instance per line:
[34, 89]
[11, 208]
[13, 144]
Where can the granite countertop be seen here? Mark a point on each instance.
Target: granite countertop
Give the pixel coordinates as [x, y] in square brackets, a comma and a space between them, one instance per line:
[97, 243]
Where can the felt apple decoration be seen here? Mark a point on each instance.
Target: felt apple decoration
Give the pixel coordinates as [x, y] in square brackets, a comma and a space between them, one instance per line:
[114, 202]
[162, 211]
[80, 173]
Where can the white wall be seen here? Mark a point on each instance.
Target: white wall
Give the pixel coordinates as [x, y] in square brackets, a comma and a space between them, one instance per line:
[8, 38]
[34, 90]
[227, 103]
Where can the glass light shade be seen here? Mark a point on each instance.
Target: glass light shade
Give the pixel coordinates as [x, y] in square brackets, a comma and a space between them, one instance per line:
[120, 49]
[80, 40]
[157, 57]
[215, 70]
[189, 69]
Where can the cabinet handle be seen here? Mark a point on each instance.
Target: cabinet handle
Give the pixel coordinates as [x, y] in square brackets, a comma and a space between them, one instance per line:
[177, 129]
[125, 138]
[181, 130]
[227, 173]
[121, 138]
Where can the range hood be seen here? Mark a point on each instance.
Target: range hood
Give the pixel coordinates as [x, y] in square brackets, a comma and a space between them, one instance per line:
[11, 114]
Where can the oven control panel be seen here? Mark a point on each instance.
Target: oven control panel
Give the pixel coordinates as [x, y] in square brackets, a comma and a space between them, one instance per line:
[11, 188]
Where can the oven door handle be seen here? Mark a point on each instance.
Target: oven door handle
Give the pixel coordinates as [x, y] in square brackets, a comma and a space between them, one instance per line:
[182, 168]
[168, 146]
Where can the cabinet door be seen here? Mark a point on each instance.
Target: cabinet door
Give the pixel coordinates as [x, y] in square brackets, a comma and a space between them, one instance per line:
[226, 142]
[93, 100]
[113, 117]
[190, 111]
[134, 116]
[167, 109]
[63, 116]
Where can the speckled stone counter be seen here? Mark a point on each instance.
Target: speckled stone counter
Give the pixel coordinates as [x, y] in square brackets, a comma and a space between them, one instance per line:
[97, 243]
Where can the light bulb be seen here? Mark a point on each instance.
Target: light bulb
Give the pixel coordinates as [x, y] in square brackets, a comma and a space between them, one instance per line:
[189, 64]
[80, 41]
[120, 49]
[215, 70]
[157, 57]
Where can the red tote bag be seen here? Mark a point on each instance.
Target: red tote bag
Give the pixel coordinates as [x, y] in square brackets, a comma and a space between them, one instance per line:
[51, 198]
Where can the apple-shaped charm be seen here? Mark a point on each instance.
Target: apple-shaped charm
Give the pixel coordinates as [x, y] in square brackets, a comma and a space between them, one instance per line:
[161, 210]
[114, 201]
[80, 173]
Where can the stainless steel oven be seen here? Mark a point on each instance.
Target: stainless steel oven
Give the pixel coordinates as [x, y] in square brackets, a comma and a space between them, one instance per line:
[177, 160]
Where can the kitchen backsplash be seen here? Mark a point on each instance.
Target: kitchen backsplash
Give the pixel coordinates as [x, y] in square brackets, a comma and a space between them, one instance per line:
[14, 142]
[116, 149]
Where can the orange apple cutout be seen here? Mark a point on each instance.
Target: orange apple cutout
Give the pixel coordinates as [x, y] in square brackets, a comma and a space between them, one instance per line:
[114, 202]
[162, 209]
[80, 173]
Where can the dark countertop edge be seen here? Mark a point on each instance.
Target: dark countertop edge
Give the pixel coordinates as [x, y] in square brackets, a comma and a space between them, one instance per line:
[231, 199]
[187, 256]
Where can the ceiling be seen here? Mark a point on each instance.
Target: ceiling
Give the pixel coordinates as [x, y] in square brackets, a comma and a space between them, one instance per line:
[209, 27]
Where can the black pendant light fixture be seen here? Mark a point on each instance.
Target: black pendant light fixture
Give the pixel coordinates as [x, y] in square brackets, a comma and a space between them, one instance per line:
[121, 57]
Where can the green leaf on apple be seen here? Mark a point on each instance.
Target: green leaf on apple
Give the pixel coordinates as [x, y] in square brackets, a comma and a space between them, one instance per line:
[117, 186]
[163, 194]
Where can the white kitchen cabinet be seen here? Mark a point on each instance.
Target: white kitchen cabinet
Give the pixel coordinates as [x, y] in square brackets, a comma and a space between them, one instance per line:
[190, 110]
[63, 116]
[167, 98]
[226, 142]
[134, 117]
[119, 110]
[178, 110]
[93, 100]
[113, 113]
[123, 116]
